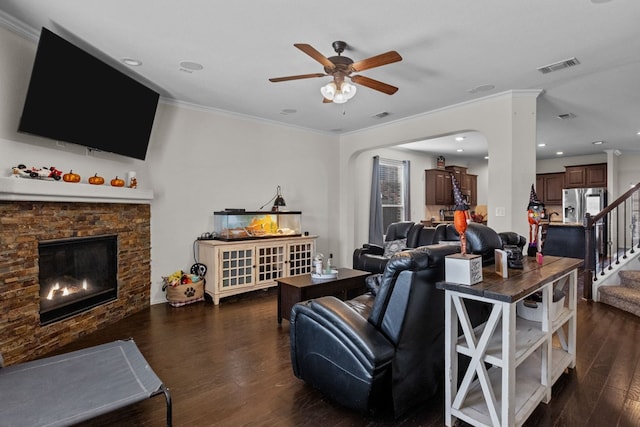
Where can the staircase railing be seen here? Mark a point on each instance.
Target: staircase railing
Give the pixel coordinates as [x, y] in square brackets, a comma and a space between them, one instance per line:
[610, 236]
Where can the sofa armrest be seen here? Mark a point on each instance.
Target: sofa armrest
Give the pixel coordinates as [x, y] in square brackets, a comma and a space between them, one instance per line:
[373, 249]
[370, 258]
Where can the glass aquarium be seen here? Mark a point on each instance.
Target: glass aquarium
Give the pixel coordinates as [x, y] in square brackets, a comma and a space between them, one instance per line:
[245, 225]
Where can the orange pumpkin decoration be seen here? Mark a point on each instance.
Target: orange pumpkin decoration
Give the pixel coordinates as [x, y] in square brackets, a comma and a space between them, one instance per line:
[96, 180]
[117, 182]
[71, 177]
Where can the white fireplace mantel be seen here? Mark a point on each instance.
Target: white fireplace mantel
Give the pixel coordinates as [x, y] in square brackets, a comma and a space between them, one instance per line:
[27, 189]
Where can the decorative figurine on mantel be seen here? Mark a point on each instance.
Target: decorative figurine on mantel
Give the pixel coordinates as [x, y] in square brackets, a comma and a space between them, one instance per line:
[535, 214]
[460, 215]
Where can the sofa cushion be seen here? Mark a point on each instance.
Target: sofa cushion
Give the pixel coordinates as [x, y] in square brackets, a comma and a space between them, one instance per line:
[425, 237]
[394, 246]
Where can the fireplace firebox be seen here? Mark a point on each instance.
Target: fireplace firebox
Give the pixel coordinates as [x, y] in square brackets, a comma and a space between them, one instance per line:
[76, 275]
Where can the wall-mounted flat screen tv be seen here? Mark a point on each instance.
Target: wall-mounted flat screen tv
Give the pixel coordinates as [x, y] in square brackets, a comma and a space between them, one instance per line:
[75, 97]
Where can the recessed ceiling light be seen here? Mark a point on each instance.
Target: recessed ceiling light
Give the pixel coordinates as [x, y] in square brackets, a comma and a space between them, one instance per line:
[542, 144]
[559, 153]
[459, 138]
[459, 150]
[486, 157]
[191, 66]
[598, 142]
[481, 88]
[638, 133]
[132, 62]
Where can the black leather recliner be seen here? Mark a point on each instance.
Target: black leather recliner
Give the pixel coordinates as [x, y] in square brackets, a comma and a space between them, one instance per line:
[370, 257]
[512, 238]
[382, 351]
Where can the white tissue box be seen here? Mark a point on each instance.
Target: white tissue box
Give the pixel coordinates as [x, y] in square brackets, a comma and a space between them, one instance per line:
[464, 269]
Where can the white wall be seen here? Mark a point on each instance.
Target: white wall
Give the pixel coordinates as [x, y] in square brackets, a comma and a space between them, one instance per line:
[203, 162]
[506, 120]
[16, 61]
[363, 164]
[198, 162]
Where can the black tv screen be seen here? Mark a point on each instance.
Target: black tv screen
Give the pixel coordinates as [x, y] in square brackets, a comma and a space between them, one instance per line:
[75, 97]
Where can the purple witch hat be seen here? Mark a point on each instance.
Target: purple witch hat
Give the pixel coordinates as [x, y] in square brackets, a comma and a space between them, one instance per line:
[459, 201]
[534, 202]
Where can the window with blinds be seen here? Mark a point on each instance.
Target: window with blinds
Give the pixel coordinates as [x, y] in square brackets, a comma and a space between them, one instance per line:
[391, 176]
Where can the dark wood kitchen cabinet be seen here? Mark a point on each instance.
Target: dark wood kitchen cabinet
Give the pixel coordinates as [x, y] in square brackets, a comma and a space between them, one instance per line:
[549, 187]
[460, 173]
[438, 187]
[586, 176]
[472, 186]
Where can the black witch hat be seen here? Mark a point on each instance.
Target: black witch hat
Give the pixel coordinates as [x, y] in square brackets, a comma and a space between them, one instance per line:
[534, 202]
[459, 201]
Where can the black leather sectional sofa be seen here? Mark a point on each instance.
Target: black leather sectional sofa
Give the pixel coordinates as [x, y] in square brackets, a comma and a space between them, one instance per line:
[481, 240]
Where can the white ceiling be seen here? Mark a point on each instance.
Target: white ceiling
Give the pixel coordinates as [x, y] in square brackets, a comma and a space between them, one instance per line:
[448, 49]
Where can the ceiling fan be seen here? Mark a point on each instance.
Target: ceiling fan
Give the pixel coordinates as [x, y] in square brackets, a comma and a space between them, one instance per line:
[341, 67]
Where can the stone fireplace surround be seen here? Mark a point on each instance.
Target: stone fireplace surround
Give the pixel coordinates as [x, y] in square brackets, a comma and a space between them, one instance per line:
[24, 223]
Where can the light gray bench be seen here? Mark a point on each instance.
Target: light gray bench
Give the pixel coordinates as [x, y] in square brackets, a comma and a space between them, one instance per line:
[77, 386]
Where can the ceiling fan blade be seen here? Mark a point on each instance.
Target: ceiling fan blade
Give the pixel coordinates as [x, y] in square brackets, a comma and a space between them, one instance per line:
[326, 101]
[376, 61]
[374, 84]
[298, 77]
[312, 52]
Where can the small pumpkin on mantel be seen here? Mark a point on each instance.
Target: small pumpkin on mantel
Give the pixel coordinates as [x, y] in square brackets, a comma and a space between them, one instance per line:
[71, 177]
[96, 180]
[117, 182]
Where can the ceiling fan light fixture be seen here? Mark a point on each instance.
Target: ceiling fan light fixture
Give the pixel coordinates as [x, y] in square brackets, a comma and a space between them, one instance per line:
[329, 91]
[348, 90]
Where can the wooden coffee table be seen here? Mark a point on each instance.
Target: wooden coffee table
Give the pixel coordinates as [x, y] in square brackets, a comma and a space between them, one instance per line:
[301, 288]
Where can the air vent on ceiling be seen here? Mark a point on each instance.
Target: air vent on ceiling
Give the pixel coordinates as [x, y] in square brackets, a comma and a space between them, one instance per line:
[558, 65]
[382, 115]
[566, 116]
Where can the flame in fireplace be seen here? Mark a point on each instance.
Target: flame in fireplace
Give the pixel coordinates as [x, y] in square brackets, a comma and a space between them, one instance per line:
[57, 290]
[52, 290]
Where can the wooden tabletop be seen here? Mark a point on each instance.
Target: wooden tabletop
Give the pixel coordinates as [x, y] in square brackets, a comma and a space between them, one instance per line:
[520, 283]
[306, 280]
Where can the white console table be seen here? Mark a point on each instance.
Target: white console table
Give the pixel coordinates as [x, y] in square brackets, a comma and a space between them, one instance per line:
[525, 357]
[236, 267]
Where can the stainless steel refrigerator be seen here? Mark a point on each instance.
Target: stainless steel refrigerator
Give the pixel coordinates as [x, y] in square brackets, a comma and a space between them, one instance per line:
[576, 202]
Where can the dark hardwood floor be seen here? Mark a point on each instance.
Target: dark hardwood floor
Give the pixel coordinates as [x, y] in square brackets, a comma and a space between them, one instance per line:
[229, 365]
